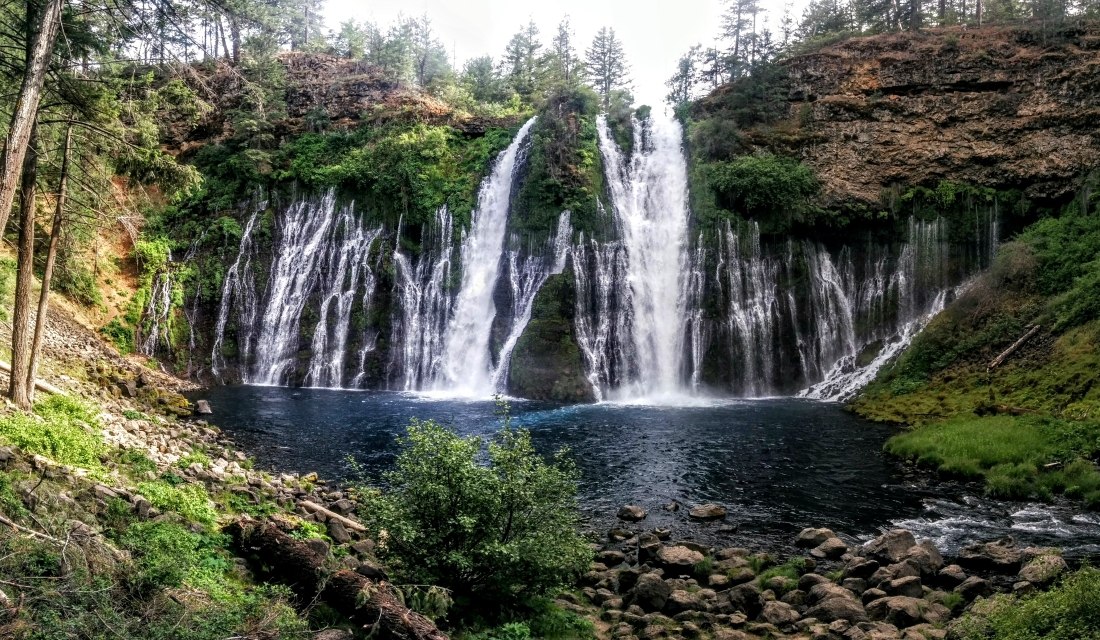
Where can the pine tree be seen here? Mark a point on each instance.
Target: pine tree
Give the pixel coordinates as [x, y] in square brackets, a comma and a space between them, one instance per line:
[606, 65]
[681, 86]
[522, 64]
[563, 62]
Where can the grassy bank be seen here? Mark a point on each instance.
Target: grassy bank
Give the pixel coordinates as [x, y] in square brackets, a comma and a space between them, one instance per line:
[1030, 426]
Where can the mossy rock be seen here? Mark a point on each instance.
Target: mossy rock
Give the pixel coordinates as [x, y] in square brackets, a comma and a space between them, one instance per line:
[547, 363]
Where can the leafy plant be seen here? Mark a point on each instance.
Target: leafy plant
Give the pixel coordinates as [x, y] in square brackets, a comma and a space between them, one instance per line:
[501, 531]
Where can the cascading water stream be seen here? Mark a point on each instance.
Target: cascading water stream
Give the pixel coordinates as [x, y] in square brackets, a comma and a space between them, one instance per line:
[649, 197]
[466, 366]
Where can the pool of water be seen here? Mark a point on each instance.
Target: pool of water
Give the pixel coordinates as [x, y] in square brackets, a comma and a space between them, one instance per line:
[778, 465]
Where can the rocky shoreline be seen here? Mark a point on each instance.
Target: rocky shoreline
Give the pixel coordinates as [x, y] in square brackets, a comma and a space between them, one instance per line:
[644, 585]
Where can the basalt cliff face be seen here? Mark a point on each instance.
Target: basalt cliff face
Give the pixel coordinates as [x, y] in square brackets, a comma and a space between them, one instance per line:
[578, 303]
[998, 107]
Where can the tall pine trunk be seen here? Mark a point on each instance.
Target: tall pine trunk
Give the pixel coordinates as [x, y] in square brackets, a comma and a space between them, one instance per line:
[24, 279]
[26, 104]
[51, 258]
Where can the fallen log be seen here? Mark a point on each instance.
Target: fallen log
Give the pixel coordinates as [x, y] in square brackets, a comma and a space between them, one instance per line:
[332, 515]
[374, 605]
[41, 385]
[999, 360]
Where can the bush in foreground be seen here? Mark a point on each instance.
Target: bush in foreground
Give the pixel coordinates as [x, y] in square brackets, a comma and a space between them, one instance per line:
[503, 532]
[1070, 611]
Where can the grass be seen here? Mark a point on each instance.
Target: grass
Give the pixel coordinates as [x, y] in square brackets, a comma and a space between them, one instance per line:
[61, 429]
[791, 569]
[1070, 611]
[1010, 453]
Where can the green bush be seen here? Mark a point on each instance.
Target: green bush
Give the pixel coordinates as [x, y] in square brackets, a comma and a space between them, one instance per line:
[775, 190]
[498, 532]
[120, 335]
[1070, 611]
[63, 430]
[189, 500]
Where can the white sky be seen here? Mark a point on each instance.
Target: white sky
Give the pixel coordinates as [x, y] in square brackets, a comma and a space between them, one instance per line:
[654, 33]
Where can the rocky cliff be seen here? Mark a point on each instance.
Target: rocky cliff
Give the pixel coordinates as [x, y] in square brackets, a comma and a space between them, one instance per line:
[998, 107]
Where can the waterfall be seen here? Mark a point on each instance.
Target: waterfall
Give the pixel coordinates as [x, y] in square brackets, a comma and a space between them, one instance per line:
[347, 260]
[649, 198]
[525, 278]
[466, 367]
[424, 303]
[320, 264]
[604, 313]
[157, 313]
[238, 291]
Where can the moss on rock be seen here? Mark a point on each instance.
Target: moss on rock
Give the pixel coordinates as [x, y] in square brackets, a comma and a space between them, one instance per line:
[547, 363]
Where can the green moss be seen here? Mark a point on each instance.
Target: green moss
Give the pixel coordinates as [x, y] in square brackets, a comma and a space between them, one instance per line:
[563, 170]
[547, 363]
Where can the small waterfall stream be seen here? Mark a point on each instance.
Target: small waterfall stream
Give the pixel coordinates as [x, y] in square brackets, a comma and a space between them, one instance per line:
[466, 367]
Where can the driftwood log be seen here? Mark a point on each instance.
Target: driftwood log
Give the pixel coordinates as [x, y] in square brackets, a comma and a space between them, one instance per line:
[332, 515]
[294, 563]
[999, 360]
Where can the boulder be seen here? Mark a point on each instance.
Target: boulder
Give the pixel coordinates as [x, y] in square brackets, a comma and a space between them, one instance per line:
[904, 611]
[926, 558]
[648, 546]
[611, 558]
[680, 600]
[809, 580]
[832, 609]
[809, 538]
[202, 408]
[708, 511]
[871, 595]
[951, 576]
[860, 568]
[650, 593]
[746, 599]
[338, 532]
[632, 513]
[828, 591]
[973, 587]
[1044, 570]
[1001, 556]
[890, 547]
[678, 560]
[779, 613]
[831, 549]
[907, 586]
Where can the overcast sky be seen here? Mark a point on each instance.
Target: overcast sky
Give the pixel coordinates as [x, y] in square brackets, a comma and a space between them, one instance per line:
[654, 32]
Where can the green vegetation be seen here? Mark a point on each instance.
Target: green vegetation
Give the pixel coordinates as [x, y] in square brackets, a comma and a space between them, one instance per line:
[1018, 457]
[61, 429]
[773, 190]
[189, 500]
[564, 169]
[504, 532]
[547, 363]
[792, 570]
[1069, 611]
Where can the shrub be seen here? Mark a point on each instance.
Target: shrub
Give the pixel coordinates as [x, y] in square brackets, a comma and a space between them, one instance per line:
[503, 531]
[1070, 611]
[189, 500]
[120, 335]
[775, 190]
[62, 431]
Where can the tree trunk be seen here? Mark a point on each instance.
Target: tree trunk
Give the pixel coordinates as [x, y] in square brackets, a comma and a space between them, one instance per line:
[914, 15]
[24, 278]
[979, 12]
[235, 34]
[365, 602]
[26, 106]
[51, 257]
